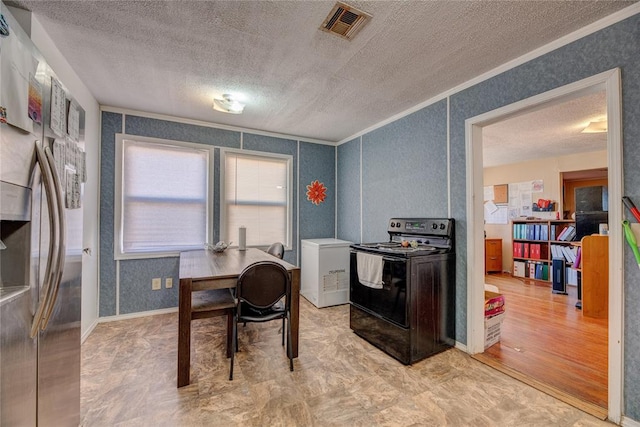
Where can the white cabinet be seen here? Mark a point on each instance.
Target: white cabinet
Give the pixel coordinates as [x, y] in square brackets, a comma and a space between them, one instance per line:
[325, 271]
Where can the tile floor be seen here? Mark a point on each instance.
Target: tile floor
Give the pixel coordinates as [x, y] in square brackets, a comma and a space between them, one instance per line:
[129, 379]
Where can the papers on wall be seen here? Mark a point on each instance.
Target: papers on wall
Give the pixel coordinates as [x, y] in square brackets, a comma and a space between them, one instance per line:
[498, 216]
[488, 193]
[521, 198]
[495, 208]
[537, 186]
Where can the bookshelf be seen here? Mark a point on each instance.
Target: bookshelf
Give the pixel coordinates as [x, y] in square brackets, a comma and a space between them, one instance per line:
[536, 243]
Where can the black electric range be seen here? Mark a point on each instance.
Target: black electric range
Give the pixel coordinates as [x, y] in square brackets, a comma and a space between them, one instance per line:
[410, 312]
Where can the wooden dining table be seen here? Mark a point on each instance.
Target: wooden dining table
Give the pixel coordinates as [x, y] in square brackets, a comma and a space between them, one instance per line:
[203, 270]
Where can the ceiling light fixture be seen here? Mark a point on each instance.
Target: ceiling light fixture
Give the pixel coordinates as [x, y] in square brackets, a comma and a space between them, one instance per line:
[228, 104]
[596, 127]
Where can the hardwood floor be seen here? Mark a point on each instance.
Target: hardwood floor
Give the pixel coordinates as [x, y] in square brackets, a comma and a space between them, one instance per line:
[546, 338]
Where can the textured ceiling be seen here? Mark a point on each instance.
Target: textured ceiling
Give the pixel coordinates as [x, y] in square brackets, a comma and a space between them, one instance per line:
[553, 131]
[173, 57]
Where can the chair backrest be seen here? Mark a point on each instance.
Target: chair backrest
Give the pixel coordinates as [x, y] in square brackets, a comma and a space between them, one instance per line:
[263, 284]
[276, 249]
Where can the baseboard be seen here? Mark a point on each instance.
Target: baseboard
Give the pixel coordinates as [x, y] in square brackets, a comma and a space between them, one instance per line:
[136, 315]
[84, 336]
[460, 346]
[587, 407]
[628, 422]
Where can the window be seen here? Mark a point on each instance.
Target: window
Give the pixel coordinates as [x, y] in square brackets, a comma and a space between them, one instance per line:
[164, 197]
[256, 193]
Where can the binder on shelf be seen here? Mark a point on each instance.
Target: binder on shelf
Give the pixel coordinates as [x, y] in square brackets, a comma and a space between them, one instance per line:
[518, 269]
[576, 263]
[563, 233]
[526, 250]
[532, 270]
[569, 255]
[538, 271]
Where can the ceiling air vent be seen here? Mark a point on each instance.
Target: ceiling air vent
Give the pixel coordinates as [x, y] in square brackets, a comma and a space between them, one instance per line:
[345, 21]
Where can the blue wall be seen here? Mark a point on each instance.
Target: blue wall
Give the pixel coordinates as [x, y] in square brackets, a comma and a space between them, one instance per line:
[404, 165]
[316, 161]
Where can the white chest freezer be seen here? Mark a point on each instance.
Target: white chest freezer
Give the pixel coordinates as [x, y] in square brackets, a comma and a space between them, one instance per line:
[325, 271]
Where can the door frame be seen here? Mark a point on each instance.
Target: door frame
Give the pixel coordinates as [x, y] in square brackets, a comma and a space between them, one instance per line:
[610, 81]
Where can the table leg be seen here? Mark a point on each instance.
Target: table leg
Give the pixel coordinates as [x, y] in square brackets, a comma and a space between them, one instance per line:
[295, 310]
[184, 332]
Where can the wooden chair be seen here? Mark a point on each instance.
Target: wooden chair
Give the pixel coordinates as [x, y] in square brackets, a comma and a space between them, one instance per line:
[213, 303]
[260, 288]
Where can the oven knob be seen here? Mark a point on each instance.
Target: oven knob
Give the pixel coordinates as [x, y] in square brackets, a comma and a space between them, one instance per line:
[393, 224]
[397, 224]
[442, 226]
[434, 226]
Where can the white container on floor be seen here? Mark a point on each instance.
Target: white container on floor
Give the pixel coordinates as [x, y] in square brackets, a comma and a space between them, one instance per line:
[325, 271]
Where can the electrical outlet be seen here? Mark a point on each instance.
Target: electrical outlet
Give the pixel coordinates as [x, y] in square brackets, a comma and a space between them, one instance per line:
[156, 284]
[168, 282]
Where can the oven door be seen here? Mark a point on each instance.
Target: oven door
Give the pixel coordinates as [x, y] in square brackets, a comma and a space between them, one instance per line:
[390, 302]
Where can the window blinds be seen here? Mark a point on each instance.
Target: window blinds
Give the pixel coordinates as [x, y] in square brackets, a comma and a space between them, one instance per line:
[164, 197]
[256, 196]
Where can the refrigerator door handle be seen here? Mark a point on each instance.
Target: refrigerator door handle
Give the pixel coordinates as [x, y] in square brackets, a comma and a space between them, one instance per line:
[61, 241]
[48, 274]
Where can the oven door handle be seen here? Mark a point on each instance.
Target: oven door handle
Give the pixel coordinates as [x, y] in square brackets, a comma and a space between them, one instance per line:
[393, 259]
[384, 258]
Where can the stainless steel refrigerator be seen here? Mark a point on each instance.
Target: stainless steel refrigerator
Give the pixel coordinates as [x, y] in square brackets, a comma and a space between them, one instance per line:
[41, 175]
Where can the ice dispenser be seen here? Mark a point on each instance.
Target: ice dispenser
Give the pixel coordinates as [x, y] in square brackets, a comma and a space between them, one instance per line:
[15, 238]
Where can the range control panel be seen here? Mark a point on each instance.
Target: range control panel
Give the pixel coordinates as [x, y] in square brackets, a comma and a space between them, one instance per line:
[421, 226]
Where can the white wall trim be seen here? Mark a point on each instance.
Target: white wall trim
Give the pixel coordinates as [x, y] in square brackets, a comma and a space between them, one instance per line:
[448, 157]
[628, 422]
[549, 47]
[361, 206]
[147, 115]
[115, 318]
[335, 192]
[609, 80]
[298, 238]
[461, 347]
[616, 246]
[90, 329]
[117, 287]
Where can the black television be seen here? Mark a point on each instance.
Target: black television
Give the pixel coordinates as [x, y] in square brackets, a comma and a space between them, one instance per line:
[588, 223]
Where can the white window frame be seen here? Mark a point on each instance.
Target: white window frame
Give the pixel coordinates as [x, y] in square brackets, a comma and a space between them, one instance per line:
[119, 205]
[289, 215]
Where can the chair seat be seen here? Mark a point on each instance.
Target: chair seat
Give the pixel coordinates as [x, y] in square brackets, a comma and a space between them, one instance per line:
[262, 316]
[210, 300]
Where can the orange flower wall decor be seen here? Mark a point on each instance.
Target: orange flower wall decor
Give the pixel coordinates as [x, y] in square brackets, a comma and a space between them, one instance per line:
[316, 192]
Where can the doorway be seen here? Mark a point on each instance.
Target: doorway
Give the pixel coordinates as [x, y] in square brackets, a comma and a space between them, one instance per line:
[610, 82]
